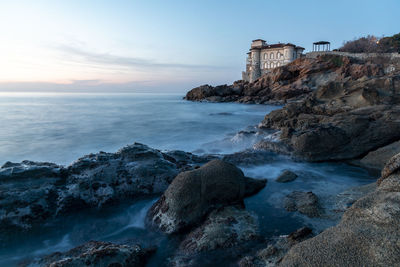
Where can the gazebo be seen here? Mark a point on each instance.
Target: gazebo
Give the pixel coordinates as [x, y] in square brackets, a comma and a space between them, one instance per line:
[321, 46]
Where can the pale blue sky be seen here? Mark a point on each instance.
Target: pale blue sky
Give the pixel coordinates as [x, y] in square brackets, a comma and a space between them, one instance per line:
[164, 45]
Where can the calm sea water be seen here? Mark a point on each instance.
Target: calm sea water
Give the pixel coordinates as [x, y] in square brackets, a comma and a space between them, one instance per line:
[62, 127]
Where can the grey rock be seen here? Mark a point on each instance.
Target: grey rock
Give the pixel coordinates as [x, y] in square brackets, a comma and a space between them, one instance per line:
[193, 194]
[276, 249]
[97, 253]
[250, 157]
[286, 176]
[377, 159]
[32, 192]
[304, 202]
[225, 227]
[367, 235]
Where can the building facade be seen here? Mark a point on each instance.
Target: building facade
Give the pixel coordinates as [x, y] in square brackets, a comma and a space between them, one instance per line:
[263, 57]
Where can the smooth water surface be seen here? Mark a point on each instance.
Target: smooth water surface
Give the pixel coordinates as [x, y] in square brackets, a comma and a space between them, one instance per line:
[63, 127]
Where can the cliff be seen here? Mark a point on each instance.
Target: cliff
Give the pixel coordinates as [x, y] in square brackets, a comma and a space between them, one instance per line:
[337, 107]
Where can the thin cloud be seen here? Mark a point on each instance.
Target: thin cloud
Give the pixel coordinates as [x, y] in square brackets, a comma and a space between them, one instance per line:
[106, 59]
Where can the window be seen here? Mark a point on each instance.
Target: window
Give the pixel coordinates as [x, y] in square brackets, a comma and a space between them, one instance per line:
[286, 53]
[271, 56]
[265, 66]
[265, 55]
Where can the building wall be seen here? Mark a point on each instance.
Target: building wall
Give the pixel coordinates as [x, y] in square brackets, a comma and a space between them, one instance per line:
[261, 61]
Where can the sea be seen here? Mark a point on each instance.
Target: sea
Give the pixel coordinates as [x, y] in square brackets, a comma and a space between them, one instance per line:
[61, 127]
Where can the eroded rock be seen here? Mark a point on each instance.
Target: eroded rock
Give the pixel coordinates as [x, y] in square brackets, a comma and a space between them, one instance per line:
[193, 194]
[32, 192]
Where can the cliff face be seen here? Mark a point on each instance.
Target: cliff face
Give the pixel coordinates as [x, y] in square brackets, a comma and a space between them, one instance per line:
[345, 118]
[336, 107]
[290, 82]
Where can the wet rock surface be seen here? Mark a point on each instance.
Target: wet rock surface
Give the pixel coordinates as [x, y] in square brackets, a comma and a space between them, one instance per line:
[367, 235]
[304, 202]
[276, 249]
[225, 228]
[286, 176]
[97, 253]
[193, 194]
[32, 192]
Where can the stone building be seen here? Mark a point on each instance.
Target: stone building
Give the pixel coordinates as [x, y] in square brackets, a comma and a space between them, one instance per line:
[263, 57]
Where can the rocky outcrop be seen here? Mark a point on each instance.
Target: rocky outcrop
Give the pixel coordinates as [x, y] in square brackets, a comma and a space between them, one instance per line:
[31, 192]
[337, 108]
[367, 235]
[286, 83]
[96, 253]
[304, 202]
[345, 118]
[193, 194]
[286, 176]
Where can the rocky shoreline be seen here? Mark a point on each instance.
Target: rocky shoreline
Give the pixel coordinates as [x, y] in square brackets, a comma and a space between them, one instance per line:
[336, 109]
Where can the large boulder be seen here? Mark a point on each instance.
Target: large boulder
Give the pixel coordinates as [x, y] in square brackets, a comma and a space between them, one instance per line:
[367, 235]
[193, 194]
[97, 253]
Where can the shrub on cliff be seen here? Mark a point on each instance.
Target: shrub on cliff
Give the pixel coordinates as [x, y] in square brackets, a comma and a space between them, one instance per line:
[372, 44]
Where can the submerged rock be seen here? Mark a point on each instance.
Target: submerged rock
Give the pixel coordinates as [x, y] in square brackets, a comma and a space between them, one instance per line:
[286, 176]
[97, 253]
[193, 194]
[304, 202]
[32, 192]
[367, 235]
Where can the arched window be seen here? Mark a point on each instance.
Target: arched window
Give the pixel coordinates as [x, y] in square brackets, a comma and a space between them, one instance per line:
[286, 54]
[278, 55]
[271, 56]
[265, 66]
[265, 55]
[278, 64]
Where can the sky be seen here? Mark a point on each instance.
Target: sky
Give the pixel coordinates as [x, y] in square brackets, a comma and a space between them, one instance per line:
[164, 46]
